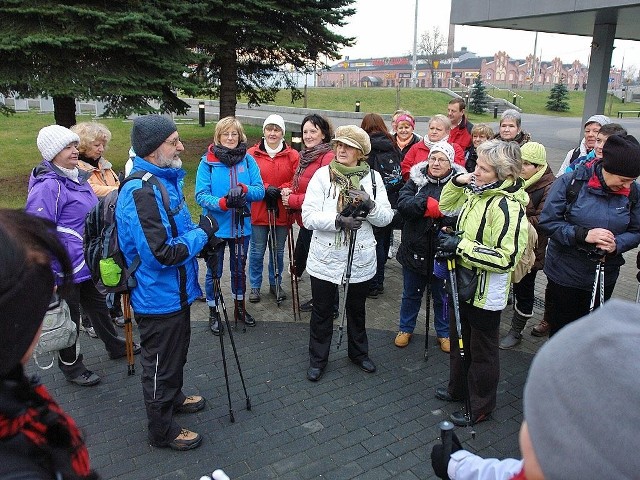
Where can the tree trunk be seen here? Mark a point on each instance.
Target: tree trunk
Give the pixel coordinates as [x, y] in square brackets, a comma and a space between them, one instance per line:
[64, 111]
[228, 82]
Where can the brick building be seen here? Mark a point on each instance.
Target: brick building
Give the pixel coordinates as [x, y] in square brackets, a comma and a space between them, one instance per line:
[500, 70]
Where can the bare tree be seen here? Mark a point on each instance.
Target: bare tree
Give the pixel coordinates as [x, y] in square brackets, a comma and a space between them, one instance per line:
[630, 74]
[432, 47]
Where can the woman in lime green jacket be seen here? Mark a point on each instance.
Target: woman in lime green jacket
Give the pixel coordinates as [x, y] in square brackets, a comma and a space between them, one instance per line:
[490, 204]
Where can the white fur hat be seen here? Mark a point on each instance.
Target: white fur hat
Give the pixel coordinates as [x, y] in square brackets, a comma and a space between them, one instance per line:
[52, 139]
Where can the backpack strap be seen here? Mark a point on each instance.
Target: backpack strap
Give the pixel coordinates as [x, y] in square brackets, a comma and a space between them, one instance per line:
[373, 183]
[573, 190]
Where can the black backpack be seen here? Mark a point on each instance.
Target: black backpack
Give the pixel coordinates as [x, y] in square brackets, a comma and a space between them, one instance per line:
[102, 253]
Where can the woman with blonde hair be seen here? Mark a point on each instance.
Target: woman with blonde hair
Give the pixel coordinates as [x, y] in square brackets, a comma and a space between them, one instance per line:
[227, 182]
[94, 138]
[489, 239]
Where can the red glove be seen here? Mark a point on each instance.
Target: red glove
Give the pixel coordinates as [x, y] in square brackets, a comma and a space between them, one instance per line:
[432, 209]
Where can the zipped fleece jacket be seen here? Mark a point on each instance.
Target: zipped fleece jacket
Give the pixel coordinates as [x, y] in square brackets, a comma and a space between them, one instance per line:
[277, 171]
[54, 196]
[167, 277]
[213, 181]
[567, 262]
[328, 257]
[494, 235]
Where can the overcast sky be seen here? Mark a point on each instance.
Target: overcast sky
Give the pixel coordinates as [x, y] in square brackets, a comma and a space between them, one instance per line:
[384, 28]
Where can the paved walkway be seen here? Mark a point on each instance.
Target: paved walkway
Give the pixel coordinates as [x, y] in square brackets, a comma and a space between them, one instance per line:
[349, 425]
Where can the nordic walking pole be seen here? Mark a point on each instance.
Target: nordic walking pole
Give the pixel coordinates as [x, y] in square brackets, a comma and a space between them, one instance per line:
[598, 282]
[451, 266]
[295, 298]
[233, 343]
[273, 245]
[238, 230]
[446, 435]
[128, 334]
[217, 294]
[347, 278]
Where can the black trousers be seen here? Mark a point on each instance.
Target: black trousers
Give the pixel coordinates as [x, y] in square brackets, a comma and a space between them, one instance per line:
[321, 325]
[165, 343]
[301, 251]
[481, 368]
[94, 305]
[567, 304]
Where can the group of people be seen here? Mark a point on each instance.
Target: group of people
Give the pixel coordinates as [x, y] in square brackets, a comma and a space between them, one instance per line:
[459, 193]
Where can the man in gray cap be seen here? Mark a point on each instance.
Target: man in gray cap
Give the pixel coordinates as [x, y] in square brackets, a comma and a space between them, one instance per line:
[577, 383]
[155, 228]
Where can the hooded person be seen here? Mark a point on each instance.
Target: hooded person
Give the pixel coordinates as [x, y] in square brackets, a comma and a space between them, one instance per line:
[418, 203]
[585, 151]
[39, 440]
[592, 218]
[575, 382]
[339, 204]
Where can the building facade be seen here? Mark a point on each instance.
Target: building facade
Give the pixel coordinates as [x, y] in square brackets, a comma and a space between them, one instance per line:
[459, 72]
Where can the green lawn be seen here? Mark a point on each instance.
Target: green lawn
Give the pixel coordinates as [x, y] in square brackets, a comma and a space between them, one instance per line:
[19, 153]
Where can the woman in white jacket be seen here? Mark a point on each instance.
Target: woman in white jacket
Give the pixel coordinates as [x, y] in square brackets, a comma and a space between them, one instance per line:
[345, 181]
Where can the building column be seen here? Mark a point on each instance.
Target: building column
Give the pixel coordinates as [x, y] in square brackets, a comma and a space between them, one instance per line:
[604, 32]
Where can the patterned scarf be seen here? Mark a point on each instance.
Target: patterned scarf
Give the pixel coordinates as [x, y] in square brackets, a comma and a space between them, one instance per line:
[230, 156]
[35, 415]
[430, 144]
[343, 179]
[307, 157]
[478, 189]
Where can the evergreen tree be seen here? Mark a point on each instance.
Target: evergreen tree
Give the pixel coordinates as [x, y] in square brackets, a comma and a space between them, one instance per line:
[558, 97]
[479, 99]
[122, 52]
[254, 47]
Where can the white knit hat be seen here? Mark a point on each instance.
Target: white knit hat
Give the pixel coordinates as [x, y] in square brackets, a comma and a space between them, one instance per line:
[52, 139]
[274, 119]
[444, 147]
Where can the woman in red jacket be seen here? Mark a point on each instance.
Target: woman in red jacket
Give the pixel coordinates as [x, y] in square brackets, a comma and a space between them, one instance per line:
[277, 162]
[317, 152]
[439, 128]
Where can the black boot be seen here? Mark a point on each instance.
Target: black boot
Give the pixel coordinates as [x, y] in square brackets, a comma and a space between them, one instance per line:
[215, 323]
[242, 314]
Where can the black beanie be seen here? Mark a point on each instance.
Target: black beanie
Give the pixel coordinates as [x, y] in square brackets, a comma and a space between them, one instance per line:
[148, 133]
[621, 156]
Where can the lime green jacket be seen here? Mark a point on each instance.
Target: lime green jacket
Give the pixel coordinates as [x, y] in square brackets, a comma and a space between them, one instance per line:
[494, 226]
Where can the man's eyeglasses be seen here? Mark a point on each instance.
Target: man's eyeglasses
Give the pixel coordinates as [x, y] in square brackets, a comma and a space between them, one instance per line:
[174, 142]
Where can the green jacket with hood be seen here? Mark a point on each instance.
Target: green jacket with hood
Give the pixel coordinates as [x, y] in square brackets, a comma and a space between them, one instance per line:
[494, 226]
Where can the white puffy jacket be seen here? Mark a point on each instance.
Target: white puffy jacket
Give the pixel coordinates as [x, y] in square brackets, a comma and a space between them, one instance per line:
[327, 258]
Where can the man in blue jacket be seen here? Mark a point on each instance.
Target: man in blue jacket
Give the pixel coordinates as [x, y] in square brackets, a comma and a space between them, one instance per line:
[166, 241]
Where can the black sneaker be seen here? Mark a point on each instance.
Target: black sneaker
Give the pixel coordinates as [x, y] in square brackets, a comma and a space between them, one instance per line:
[307, 306]
[85, 379]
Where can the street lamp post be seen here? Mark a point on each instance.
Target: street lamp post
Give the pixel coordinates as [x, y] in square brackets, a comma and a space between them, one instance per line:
[414, 61]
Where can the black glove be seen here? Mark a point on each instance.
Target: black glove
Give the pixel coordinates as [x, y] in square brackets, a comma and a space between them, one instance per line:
[236, 198]
[360, 196]
[208, 224]
[448, 242]
[349, 223]
[271, 196]
[440, 458]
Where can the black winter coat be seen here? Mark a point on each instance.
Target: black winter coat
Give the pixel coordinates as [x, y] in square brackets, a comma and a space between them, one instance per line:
[385, 159]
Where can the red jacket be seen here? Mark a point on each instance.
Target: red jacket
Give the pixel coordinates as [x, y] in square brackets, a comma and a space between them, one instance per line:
[461, 134]
[420, 152]
[277, 171]
[297, 197]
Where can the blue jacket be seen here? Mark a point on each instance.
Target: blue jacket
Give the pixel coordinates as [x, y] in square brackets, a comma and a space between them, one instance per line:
[167, 278]
[213, 181]
[567, 262]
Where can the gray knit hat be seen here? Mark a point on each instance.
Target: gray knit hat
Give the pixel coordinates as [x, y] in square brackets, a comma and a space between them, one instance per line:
[149, 132]
[582, 395]
[52, 139]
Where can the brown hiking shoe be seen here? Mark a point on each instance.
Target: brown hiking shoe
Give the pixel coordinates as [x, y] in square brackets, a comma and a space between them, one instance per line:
[445, 344]
[541, 329]
[402, 339]
[186, 440]
[191, 404]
